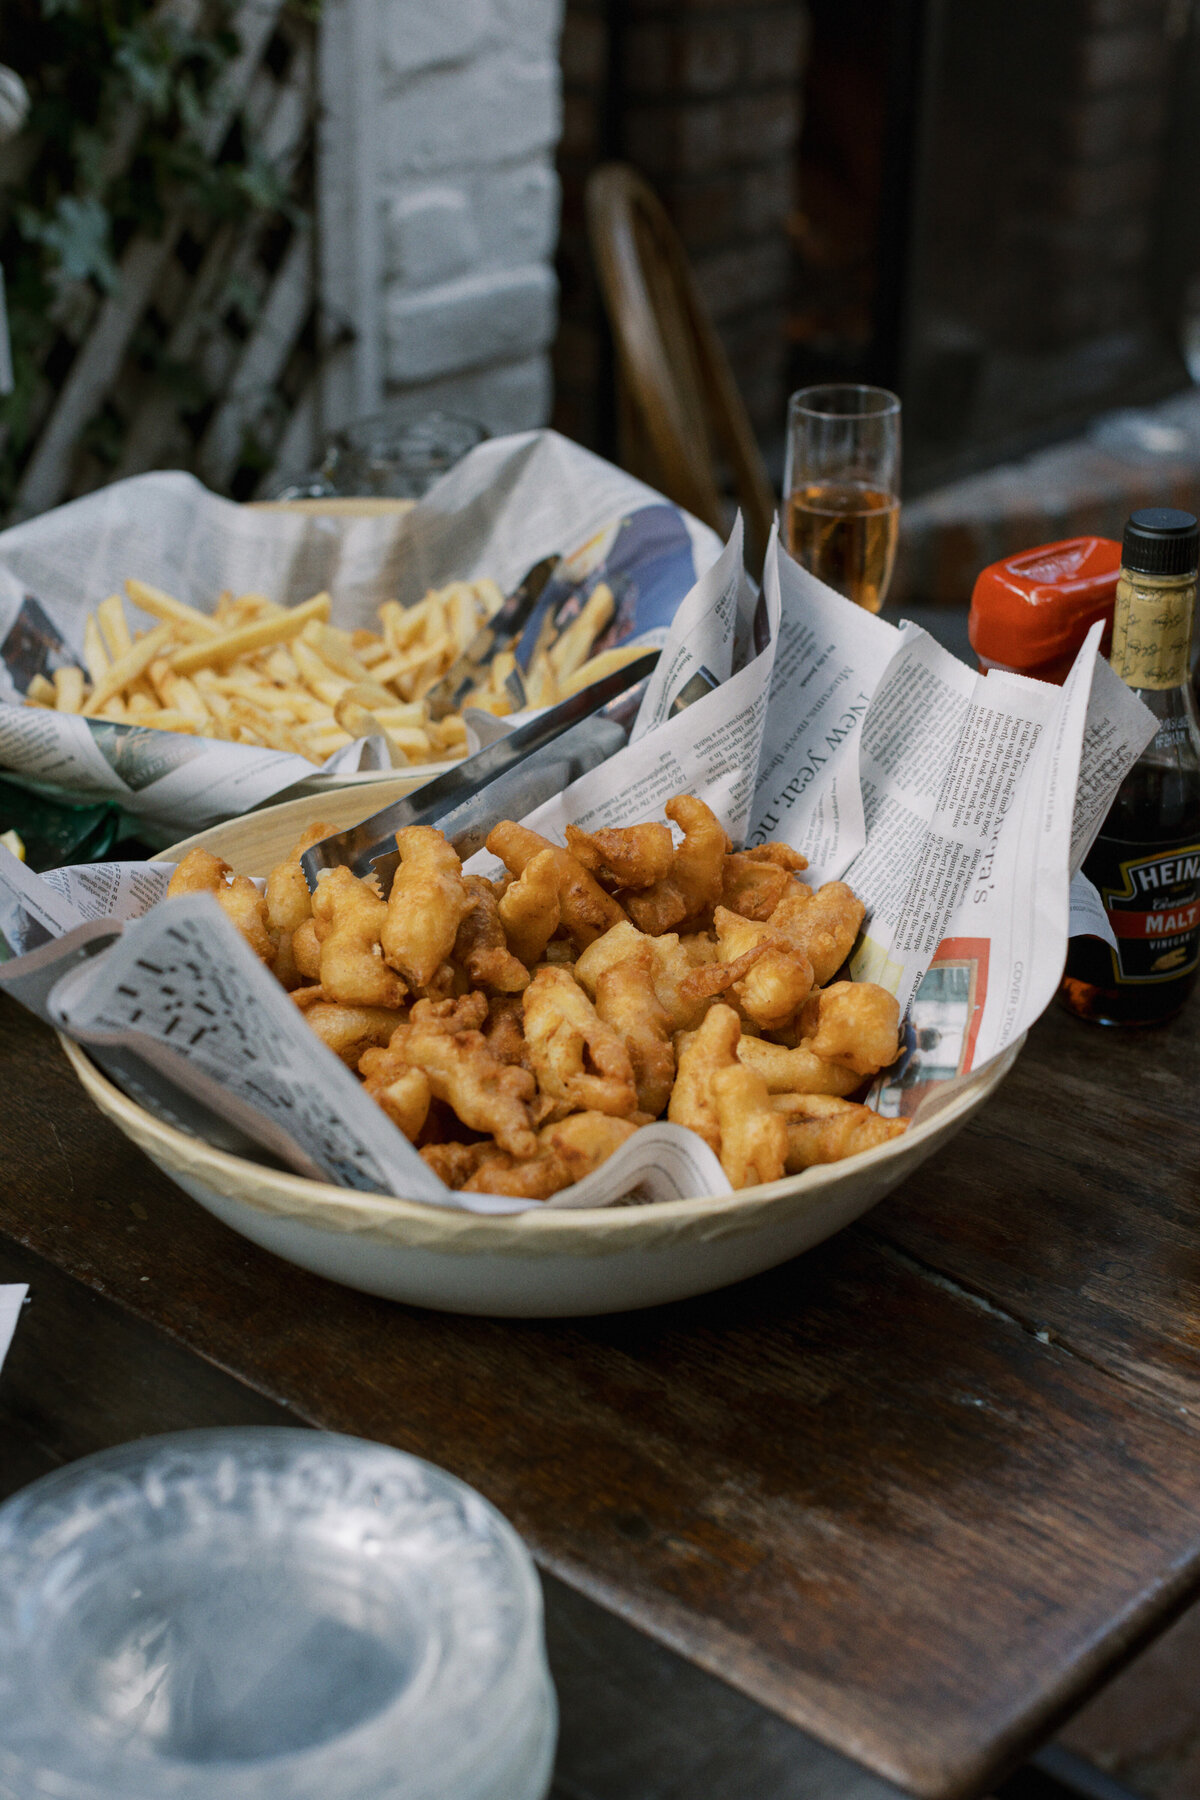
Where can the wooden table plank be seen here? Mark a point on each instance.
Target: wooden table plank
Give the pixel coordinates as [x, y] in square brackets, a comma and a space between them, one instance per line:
[878, 1506]
[1081, 1214]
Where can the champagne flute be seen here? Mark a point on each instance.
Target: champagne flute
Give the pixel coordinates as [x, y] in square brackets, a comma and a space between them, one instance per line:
[841, 486]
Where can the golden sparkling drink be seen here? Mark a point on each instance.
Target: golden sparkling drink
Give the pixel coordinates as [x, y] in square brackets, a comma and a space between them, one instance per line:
[846, 535]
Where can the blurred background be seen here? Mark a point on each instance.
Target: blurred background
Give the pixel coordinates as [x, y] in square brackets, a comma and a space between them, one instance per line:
[229, 227]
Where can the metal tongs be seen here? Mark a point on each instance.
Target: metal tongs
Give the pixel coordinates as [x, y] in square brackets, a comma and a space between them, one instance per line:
[506, 779]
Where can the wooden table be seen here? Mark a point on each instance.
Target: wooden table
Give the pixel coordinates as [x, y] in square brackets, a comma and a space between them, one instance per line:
[916, 1493]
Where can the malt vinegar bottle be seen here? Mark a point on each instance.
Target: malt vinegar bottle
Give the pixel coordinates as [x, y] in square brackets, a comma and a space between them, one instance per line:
[1146, 861]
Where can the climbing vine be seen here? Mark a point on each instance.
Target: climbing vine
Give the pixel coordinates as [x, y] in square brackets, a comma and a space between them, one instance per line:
[121, 92]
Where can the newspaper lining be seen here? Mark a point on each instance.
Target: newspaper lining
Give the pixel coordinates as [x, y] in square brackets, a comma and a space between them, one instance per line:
[958, 806]
[509, 503]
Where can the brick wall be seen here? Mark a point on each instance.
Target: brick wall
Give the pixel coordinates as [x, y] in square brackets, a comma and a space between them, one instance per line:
[704, 99]
[467, 121]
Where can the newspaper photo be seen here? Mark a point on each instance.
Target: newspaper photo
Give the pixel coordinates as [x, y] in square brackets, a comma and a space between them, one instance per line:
[958, 806]
[511, 502]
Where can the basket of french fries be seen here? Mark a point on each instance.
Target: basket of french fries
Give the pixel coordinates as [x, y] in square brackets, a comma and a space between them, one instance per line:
[192, 659]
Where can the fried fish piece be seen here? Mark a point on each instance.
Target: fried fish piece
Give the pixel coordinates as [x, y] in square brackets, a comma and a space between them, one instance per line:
[567, 1152]
[349, 916]
[405, 1096]
[306, 950]
[797, 1071]
[821, 924]
[504, 1030]
[427, 904]
[823, 1129]
[627, 856]
[685, 980]
[441, 1037]
[481, 946]
[349, 1030]
[752, 887]
[201, 872]
[782, 855]
[781, 979]
[856, 1023]
[530, 909]
[289, 903]
[575, 1056]
[694, 882]
[586, 910]
[618, 943]
[626, 1000]
[455, 1163]
[754, 1138]
[701, 1054]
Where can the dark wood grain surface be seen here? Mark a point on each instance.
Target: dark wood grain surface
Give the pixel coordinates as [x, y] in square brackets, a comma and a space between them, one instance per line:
[917, 1491]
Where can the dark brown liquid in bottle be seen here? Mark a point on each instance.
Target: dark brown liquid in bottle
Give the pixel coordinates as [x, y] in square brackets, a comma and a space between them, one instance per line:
[1157, 811]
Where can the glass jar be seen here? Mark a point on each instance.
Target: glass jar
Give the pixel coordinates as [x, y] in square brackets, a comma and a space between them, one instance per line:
[253, 1613]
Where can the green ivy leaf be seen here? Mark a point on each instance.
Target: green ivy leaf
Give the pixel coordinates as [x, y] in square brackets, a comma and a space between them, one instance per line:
[77, 234]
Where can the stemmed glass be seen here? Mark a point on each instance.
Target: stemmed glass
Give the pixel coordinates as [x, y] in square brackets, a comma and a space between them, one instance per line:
[841, 487]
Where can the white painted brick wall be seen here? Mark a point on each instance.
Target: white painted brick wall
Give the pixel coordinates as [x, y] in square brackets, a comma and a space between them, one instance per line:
[467, 119]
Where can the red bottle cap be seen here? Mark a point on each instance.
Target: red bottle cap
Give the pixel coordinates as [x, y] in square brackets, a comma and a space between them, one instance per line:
[1032, 611]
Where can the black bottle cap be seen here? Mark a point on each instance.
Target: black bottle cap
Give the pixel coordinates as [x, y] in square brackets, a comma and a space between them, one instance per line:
[1161, 541]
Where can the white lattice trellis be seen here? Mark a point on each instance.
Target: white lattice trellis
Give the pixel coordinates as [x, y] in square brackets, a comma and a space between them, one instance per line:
[205, 355]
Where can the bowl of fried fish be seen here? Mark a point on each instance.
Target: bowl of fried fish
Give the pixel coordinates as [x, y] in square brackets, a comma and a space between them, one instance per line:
[520, 1028]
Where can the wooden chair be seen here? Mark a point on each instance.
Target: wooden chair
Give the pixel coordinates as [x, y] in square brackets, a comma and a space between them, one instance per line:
[676, 392]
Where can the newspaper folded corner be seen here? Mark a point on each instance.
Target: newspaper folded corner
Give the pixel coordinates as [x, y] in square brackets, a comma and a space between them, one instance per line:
[959, 808]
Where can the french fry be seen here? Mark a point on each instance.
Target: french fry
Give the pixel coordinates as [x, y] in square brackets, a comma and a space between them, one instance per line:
[114, 627]
[95, 657]
[597, 667]
[127, 668]
[576, 641]
[164, 606]
[68, 689]
[257, 636]
[41, 692]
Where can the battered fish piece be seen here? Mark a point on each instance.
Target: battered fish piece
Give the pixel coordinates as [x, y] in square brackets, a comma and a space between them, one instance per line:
[778, 984]
[568, 1151]
[694, 883]
[822, 1129]
[441, 1037]
[751, 887]
[504, 1030]
[289, 904]
[626, 1000]
[782, 855]
[856, 1023]
[701, 1055]
[797, 1071]
[455, 1163]
[753, 1138]
[629, 856]
[427, 904]
[349, 1030]
[201, 872]
[306, 951]
[481, 946]
[576, 1056]
[586, 910]
[348, 916]
[821, 925]
[530, 909]
[685, 980]
[405, 1097]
